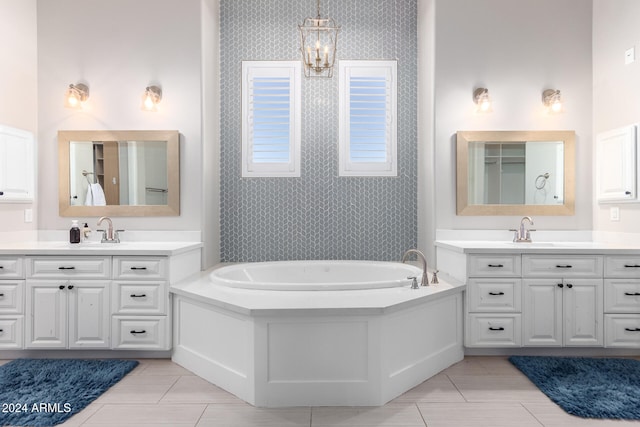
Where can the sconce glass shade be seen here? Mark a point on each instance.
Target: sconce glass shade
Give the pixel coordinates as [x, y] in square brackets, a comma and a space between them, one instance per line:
[552, 100]
[318, 44]
[482, 100]
[76, 95]
[151, 98]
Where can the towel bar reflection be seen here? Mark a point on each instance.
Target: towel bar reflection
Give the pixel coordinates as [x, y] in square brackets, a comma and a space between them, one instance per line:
[86, 175]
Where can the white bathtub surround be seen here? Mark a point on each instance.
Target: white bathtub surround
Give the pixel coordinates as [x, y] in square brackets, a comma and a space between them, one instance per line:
[316, 348]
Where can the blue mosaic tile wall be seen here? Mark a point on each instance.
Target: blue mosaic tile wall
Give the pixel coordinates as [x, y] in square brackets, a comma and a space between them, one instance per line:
[319, 215]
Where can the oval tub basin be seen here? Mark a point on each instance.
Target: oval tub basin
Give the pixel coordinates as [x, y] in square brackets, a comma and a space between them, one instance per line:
[315, 275]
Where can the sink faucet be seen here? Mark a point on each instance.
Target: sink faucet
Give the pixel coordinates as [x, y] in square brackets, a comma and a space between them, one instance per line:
[522, 234]
[109, 236]
[425, 278]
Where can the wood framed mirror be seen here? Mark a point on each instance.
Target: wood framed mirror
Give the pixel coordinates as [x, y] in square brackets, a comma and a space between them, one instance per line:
[119, 173]
[515, 172]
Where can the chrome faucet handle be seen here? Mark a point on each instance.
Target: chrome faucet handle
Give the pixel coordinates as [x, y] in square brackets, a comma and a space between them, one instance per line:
[116, 235]
[434, 277]
[414, 283]
[104, 235]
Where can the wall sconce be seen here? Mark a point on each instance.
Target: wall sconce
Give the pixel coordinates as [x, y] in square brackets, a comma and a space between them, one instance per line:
[482, 100]
[552, 100]
[151, 98]
[76, 95]
[318, 44]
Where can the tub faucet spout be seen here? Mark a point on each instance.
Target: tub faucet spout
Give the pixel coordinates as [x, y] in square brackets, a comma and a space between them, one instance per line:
[425, 277]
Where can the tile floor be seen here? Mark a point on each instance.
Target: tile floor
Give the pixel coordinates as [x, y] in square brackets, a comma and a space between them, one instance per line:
[477, 392]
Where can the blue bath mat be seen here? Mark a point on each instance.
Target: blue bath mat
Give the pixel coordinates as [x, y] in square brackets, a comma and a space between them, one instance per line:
[587, 387]
[46, 392]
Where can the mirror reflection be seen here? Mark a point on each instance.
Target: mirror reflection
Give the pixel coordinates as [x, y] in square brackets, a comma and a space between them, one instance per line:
[119, 173]
[515, 172]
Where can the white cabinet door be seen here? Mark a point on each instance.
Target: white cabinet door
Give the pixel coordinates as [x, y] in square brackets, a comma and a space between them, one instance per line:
[17, 165]
[89, 315]
[46, 314]
[583, 312]
[563, 312]
[542, 312]
[616, 165]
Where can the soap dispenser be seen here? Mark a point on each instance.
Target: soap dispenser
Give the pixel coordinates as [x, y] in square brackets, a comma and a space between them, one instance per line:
[86, 232]
[74, 233]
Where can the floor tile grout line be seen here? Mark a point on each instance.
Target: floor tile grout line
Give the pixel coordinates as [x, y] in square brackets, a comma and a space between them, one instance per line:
[532, 414]
[457, 389]
[424, 421]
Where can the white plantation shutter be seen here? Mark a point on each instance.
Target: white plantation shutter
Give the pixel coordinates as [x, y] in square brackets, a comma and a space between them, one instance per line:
[368, 122]
[271, 118]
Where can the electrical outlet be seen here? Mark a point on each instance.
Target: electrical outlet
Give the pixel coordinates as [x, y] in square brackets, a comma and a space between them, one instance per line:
[630, 55]
[28, 215]
[614, 213]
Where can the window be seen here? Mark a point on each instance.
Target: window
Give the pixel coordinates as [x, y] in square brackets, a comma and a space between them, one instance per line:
[368, 106]
[271, 118]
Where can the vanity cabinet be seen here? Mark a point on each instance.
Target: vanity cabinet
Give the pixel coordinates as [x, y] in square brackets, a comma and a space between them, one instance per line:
[67, 302]
[67, 314]
[140, 303]
[494, 301]
[622, 301]
[111, 297]
[515, 298]
[562, 312]
[563, 301]
[11, 302]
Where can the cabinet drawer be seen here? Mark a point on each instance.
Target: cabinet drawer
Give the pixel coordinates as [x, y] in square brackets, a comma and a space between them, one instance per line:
[494, 265]
[622, 295]
[11, 296]
[622, 330]
[139, 298]
[622, 266]
[11, 331]
[139, 267]
[494, 295]
[11, 267]
[561, 266]
[493, 330]
[70, 267]
[140, 333]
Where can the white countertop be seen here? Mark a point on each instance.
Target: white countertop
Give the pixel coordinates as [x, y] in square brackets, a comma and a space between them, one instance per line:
[487, 246]
[97, 248]
[348, 302]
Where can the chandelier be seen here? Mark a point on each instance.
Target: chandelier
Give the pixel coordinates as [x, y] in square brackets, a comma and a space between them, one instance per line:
[318, 42]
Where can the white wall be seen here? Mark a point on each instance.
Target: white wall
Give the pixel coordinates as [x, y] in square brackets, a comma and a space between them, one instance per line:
[117, 48]
[18, 87]
[516, 49]
[616, 88]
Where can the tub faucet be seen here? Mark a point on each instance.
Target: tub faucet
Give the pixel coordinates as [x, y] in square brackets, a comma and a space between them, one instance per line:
[522, 234]
[425, 277]
[109, 236]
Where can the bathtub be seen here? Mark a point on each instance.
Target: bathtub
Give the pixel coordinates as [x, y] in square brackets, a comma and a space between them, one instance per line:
[316, 333]
[315, 275]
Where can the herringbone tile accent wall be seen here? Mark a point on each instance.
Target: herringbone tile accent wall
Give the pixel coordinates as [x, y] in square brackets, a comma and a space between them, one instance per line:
[319, 215]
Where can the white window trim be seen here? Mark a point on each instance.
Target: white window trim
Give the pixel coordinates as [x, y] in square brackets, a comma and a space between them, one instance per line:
[365, 68]
[291, 69]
